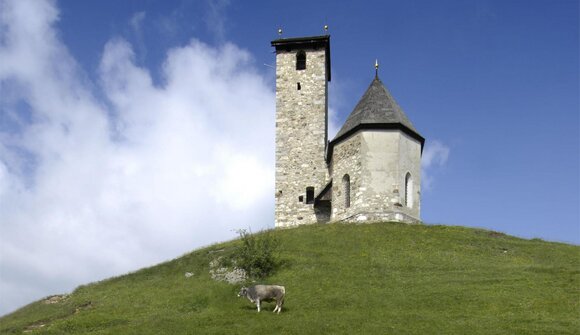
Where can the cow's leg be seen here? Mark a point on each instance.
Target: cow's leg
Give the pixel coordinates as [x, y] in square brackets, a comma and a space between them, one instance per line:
[258, 304]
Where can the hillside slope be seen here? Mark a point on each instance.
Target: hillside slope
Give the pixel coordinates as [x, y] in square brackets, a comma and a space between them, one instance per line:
[340, 279]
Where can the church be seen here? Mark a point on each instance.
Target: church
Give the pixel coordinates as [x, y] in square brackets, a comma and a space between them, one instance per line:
[370, 171]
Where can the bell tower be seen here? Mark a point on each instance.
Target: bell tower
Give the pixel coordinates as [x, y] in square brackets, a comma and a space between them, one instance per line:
[302, 76]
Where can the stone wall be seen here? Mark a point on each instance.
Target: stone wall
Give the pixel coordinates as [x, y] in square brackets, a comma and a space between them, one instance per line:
[347, 160]
[377, 162]
[410, 162]
[301, 134]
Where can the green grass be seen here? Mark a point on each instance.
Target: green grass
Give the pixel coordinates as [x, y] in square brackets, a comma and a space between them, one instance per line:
[341, 279]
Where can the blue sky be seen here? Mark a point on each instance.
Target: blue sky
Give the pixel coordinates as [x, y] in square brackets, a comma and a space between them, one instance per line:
[134, 131]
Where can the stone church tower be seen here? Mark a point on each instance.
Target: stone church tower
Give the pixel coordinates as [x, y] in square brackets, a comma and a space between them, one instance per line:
[370, 171]
[302, 76]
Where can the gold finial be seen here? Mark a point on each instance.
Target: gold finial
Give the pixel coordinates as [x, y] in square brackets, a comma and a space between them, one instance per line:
[280, 31]
[326, 28]
[376, 67]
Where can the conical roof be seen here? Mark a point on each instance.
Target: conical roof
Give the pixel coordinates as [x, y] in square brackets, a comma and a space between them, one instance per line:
[376, 110]
[376, 107]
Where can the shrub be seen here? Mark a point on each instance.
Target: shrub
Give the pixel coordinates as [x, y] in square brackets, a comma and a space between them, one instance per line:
[257, 254]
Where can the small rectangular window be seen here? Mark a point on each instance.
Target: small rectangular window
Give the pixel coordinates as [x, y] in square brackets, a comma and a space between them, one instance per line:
[310, 195]
[301, 198]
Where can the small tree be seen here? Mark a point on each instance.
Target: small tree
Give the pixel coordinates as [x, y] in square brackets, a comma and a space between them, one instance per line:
[258, 254]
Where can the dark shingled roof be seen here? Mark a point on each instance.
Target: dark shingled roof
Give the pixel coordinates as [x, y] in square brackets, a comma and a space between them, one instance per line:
[323, 39]
[377, 106]
[377, 109]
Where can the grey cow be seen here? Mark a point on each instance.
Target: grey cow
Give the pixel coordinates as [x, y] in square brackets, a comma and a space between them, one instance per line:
[259, 293]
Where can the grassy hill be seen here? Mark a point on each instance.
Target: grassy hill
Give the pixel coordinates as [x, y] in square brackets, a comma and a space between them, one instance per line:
[340, 279]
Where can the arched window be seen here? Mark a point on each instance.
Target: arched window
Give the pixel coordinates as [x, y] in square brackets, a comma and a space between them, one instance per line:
[408, 190]
[301, 60]
[346, 190]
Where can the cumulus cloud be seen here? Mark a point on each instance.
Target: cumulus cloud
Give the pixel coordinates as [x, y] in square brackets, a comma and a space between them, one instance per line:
[336, 103]
[136, 21]
[91, 188]
[435, 155]
[333, 126]
[215, 18]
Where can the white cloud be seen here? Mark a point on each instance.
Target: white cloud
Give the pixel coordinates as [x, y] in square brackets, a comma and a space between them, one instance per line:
[215, 18]
[336, 103]
[136, 21]
[333, 126]
[435, 155]
[90, 188]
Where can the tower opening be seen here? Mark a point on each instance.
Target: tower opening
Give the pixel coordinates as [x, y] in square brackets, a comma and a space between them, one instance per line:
[301, 60]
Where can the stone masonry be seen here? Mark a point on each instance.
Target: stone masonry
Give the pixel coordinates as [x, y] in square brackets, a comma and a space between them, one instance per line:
[377, 172]
[301, 129]
[371, 170]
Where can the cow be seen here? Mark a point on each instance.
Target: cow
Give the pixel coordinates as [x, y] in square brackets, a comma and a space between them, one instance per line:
[259, 293]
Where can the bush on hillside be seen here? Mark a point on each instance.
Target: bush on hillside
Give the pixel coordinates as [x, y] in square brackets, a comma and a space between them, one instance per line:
[257, 254]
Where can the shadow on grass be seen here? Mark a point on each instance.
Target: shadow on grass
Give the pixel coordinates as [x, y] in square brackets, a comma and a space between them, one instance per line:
[264, 308]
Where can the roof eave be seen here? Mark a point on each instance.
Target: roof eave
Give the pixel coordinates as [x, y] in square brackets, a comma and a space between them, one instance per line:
[373, 126]
[325, 39]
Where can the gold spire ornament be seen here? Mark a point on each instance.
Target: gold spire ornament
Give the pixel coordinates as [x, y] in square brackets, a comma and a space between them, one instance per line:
[376, 67]
[279, 31]
[326, 28]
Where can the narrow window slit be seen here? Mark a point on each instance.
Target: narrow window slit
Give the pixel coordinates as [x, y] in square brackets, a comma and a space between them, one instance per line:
[346, 190]
[408, 191]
